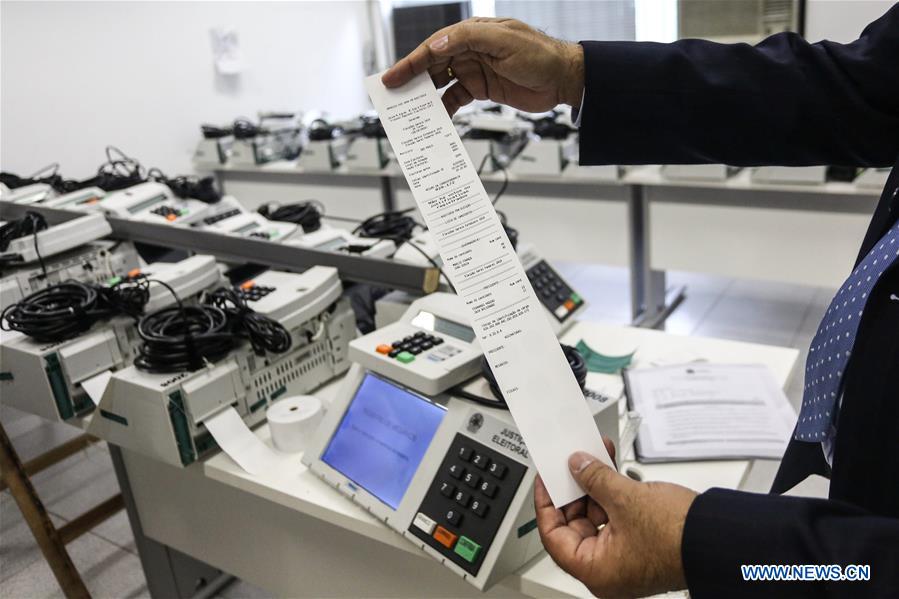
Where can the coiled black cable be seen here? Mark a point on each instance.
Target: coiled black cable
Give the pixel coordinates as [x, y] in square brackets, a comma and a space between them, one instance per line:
[183, 338]
[31, 223]
[263, 333]
[187, 186]
[306, 214]
[575, 361]
[395, 225]
[215, 132]
[244, 128]
[66, 310]
[56, 313]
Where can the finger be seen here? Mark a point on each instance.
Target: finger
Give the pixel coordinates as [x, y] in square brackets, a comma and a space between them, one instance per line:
[595, 514]
[440, 76]
[486, 37]
[576, 509]
[610, 447]
[455, 97]
[600, 481]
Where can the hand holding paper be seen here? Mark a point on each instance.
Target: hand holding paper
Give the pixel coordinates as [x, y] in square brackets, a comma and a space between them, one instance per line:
[524, 354]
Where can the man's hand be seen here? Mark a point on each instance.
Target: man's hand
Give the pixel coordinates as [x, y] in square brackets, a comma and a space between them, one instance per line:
[624, 539]
[502, 60]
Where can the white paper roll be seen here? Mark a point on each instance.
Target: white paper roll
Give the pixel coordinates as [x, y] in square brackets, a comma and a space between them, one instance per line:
[293, 421]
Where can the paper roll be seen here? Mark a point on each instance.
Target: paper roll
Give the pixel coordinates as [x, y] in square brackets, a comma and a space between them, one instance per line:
[293, 421]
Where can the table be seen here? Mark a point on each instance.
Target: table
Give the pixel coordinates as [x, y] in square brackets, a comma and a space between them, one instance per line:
[736, 227]
[290, 533]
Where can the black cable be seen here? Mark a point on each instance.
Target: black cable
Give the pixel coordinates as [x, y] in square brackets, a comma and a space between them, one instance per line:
[56, 313]
[306, 214]
[575, 361]
[183, 338]
[215, 132]
[66, 310]
[244, 128]
[265, 334]
[502, 188]
[322, 130]
[120, 171]
[398, 227]
[188, 186]
[31, 223]
[394, 225]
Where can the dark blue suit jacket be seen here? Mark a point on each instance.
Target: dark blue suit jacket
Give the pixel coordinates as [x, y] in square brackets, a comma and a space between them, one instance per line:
[782, 102]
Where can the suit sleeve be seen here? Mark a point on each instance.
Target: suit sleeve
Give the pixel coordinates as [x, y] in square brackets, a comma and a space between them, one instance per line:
[782, 102]
[726, 529]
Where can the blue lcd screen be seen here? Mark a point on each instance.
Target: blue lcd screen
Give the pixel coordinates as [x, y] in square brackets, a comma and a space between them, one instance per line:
[382, 438]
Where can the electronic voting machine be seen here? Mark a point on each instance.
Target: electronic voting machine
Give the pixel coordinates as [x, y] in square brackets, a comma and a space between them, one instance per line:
[452, 476]
[154, 202]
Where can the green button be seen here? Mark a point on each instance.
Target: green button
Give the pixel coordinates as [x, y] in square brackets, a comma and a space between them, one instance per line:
[183, 211]
[405, 357]
[575, 298]
[468, 549]
[114, 281]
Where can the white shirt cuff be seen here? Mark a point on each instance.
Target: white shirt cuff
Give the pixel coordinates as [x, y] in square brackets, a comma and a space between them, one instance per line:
[577, 113]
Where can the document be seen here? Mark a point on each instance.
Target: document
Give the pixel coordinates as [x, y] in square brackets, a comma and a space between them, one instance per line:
[709, 411]
[96, 385]
[238, 441]
[524, 354]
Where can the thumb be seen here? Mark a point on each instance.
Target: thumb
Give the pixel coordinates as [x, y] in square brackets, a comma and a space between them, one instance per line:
[601, 482]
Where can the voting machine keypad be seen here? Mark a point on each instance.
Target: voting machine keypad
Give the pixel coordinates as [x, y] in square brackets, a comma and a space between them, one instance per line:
[467, 501]
[554, 293]
[169, 213]
[211, 220]
[406, 349]
[249, 291]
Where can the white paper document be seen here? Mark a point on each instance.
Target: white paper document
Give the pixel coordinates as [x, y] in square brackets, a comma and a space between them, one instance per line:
[524, 354]
[96, 385]
[238, 441]
[709, 411]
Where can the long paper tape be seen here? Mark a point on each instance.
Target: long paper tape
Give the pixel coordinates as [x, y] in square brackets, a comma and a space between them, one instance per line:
[521, 348]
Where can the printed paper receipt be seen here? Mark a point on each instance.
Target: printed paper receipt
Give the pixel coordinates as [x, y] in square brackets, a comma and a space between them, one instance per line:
[543, 396]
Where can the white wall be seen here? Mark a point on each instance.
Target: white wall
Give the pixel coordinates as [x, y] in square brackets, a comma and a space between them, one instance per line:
[76, 76]
[841, 20]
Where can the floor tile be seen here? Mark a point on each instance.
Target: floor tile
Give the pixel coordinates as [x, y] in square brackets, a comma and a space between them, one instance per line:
[243, 590]
[18, 548]
[107, 571]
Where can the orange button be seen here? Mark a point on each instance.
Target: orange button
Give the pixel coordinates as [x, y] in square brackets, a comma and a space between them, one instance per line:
[445, 537]
[248, 285]
[170, 217]
[384, 348]
[569, 304]
[133, 273]
[92, 201]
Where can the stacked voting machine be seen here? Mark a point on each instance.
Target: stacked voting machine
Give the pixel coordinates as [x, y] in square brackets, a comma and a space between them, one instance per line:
[706, 411]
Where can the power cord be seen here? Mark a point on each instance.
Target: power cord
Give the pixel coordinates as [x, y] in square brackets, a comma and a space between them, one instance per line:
[399, 227]
[504, 186]
[215, 132]
[30, 224]
[188, 186]
[186, 338]
[244, 128]
[265, 334]
[575, 361]
[306, 214]
[66, 310]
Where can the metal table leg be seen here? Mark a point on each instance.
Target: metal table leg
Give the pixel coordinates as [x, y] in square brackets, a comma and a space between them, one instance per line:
[651, 301]
[170, 574]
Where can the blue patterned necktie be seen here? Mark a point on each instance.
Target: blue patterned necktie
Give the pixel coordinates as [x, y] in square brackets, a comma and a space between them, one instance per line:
[833, 343]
